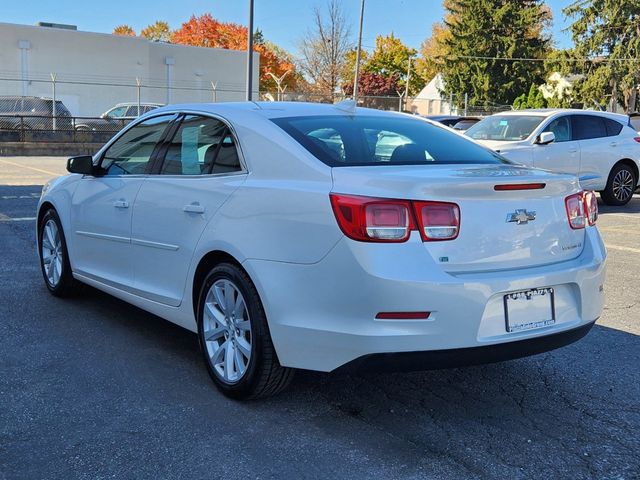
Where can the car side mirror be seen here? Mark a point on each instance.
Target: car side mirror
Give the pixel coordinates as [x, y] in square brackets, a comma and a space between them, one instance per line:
[81, 164]
[546, 138]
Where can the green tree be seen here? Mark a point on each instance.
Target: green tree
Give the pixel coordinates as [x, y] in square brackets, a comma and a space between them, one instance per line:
[487, 39]
[432, 52]
[606, 34]
[157, 32]
[534, 99]
[391, 58]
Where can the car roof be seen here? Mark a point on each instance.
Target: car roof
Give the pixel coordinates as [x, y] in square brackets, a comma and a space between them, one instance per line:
[133, 104]
[271, 110]
[547, 112]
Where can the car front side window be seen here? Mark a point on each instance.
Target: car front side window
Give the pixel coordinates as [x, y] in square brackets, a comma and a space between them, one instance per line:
[561, 128]
[131, 153]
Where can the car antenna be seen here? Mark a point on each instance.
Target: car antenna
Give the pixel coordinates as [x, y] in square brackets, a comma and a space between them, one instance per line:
[347, 105]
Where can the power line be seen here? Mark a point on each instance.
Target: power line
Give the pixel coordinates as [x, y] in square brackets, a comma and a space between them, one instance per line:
[524, 59]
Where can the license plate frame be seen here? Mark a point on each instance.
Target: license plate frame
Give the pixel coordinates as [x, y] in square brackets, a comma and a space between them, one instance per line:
[539, 296]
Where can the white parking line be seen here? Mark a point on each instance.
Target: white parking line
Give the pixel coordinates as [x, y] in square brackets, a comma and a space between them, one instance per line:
[29, 168]
[4, 218]
[626, 215]
[622, 249]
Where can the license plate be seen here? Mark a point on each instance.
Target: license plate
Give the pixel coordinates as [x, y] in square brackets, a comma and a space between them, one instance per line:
[529, 309]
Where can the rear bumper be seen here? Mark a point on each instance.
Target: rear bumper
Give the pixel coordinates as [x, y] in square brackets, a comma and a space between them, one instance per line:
[322, 316]
[461, 357]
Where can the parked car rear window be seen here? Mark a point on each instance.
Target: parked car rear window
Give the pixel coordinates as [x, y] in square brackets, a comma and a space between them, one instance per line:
[588, 126]
[506, 128]
[613, 127]
[382, 140]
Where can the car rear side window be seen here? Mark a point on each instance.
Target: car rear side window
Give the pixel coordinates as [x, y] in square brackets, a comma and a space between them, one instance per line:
[588, 126]
[613, 127]
[201, 145]
[344, 140]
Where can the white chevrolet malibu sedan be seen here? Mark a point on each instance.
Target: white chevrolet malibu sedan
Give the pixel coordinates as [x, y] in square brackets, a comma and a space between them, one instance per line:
[324, 237]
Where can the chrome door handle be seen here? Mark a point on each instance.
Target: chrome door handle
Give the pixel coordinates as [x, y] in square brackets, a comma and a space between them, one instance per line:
[193, 208]
[572, 150]
[121, 204]
[613, 144]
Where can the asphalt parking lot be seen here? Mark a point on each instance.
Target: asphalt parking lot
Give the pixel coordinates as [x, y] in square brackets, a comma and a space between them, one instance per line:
[94, 388]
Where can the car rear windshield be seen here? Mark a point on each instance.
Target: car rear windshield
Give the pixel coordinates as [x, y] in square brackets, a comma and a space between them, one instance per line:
[505, 127]
[341, 141]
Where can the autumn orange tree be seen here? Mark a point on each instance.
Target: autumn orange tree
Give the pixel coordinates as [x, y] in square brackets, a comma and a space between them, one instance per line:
[157, 32]
[206, 31]
[124, 30]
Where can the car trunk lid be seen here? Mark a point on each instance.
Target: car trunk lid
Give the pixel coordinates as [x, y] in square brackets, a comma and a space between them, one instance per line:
[500, 227]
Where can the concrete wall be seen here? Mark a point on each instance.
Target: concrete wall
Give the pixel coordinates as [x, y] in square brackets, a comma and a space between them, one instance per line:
[94, 71]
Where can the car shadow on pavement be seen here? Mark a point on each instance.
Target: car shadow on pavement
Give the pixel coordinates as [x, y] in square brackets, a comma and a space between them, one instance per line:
[569, 413]
[632, 207]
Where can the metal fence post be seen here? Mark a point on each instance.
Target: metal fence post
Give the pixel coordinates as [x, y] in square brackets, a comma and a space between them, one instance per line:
[138, 85]
[53, 86]
[466, 102]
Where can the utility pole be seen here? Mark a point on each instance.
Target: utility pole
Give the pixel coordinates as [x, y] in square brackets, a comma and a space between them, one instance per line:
[406, 90]
[250, 54]
[357, 76]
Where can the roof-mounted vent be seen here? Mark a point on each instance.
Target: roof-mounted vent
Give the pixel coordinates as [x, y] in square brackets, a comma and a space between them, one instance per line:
[63, 26]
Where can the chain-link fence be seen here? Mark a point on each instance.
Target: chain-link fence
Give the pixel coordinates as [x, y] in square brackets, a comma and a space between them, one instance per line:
[60, 108]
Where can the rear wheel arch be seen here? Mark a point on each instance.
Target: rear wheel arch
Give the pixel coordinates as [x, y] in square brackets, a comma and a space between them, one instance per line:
[206, 263]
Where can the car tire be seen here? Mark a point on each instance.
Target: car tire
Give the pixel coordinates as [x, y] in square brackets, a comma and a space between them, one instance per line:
[621, 184]
[54, 256]
[234, 336]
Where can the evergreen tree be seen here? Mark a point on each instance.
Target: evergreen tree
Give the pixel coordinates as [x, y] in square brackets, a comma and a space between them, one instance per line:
[606, 33]
[484, 36]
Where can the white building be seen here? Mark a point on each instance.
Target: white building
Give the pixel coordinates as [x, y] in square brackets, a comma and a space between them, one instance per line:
[94, 71]
[429, 101]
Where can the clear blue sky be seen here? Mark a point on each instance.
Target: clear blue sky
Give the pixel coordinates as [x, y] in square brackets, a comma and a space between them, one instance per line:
[284, 22]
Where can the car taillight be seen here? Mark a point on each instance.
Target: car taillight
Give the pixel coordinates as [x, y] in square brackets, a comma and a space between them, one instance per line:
[437, 220]
[591, 207]
[373, 219]
[637, 139]
[369, 219]
[576, 210]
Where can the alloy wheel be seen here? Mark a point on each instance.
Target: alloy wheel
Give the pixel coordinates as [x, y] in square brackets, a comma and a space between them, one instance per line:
[623, 185]
[52, 252]
[227, 331]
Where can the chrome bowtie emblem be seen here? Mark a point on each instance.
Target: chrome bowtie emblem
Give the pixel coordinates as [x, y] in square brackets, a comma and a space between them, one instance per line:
[521, 216]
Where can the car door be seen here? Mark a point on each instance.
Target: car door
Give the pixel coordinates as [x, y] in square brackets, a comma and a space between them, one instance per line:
[102, 205]
[200, 168]
[561, 155]
[598, 151]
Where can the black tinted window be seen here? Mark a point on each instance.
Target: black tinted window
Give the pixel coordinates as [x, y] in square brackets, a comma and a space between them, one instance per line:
[131, 153]
[341, 140]
[201, 145]
[613, 127]
[588, 126]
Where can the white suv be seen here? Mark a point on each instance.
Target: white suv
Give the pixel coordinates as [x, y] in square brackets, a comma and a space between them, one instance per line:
[599, 147]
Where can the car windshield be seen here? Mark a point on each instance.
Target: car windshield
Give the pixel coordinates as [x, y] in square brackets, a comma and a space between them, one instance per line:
[341, 140]
[505, 127]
